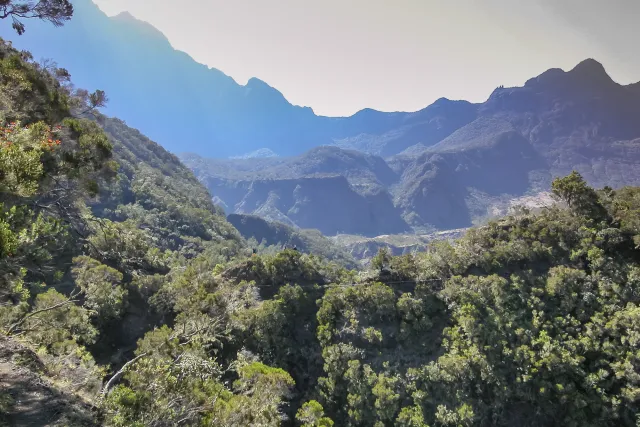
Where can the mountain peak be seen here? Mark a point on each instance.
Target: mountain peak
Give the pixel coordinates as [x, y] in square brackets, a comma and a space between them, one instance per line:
[256, 82]
[139, 25]
[125, 15]
[589, 64]
[441, 101]
[588, 73]
[590, 69]
[261, 86]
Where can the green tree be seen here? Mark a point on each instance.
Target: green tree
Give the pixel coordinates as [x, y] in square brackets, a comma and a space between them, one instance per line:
[382, 259]
[55, 11]
[581, 198]
[311, 414]
[101, 286]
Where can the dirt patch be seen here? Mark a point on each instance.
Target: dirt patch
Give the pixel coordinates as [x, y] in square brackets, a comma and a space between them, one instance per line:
[27, 398]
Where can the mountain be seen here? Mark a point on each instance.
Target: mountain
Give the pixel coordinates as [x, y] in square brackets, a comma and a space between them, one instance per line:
[513, 145]
[127, 298]
[265, 236]
[173, 99]
[523, 138]
[328, 188]
[449, 165]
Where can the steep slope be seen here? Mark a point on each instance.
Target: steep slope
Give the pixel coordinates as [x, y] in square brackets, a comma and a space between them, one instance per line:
[580, 119]
[523, 138]
[512, 145]
[89, 301]
[160, 194]
[327, 188]
[173, 99]
[329, 204]
[27, 398]
[437, 186]
[158, 207]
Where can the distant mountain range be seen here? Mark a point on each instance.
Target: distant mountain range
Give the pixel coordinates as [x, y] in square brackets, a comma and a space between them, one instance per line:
[514, 145]
[447, 166]
[183, 104]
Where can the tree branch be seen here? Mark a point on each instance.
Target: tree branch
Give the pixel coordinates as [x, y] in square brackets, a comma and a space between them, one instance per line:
[120, 373]
[33, 313]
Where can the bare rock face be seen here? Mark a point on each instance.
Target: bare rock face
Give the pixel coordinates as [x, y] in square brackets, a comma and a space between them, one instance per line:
[328, 204]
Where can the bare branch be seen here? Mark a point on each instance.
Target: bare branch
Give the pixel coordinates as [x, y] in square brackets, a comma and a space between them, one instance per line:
[33, 313]
[120, 373]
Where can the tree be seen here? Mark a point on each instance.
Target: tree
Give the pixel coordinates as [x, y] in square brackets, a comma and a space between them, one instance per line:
[54, 11]
[101, 285]
[382, 258]
[582, 199]
[311, 414]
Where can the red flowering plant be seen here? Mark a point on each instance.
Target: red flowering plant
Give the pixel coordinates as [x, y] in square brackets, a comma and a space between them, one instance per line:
[36, 156]
[46, 172]
[22, 149]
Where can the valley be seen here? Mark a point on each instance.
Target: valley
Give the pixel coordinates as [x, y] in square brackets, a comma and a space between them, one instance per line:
[450, 165]
[521, 140]
[188, 251]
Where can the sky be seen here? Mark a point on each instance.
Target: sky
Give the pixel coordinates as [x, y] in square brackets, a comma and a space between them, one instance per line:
[340, 56]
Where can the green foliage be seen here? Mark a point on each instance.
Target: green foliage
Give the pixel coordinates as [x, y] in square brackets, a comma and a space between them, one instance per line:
[127, 268]
[269, 238]
[382, 259]
[54, 11]
[101, 286]
[175, 381]
[311, 414]
[120, 267]
[581, 198]
[53, 328]
[282, 331]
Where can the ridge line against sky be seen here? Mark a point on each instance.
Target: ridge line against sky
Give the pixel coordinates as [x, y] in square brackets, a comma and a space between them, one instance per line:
[340, 57]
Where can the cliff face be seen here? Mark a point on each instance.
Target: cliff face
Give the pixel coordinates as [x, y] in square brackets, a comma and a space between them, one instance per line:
[328, 204]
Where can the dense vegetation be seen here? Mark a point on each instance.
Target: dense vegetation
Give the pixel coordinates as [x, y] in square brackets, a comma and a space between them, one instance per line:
[134, 293]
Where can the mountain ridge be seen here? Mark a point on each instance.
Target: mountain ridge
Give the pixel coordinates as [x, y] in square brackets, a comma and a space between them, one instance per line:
[444, 166]
[510, 146]
[154, 87]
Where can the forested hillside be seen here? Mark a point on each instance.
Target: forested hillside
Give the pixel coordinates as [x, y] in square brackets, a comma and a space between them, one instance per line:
[127, 298]
[95, 221]
[150, 310]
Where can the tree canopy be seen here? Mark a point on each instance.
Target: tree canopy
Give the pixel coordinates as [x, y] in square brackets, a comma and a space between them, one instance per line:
[56, 12]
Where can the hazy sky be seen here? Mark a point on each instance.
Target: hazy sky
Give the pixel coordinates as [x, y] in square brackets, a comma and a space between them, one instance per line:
[339, 56]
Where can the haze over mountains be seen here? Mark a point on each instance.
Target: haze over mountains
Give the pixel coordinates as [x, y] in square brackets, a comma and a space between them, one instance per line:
[514, 145]
[174, 99]
[444, 167]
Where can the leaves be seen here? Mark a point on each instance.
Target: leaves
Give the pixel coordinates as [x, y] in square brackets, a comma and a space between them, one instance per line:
[54, 11]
